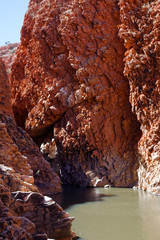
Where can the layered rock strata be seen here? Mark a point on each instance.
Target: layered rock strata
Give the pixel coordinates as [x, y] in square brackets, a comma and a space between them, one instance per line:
[68, 84]
[24, 212]
[140, 30]
[31, 216]
[12, 226]
[47, 215]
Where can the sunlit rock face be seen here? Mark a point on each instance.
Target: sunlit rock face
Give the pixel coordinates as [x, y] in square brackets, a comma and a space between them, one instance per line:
[68, 85]
[7, 53]
[141, 33]
[5, 92]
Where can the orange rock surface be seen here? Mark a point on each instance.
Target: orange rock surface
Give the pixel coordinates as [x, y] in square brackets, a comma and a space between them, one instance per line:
[22, 152]
[140, 30]
[7, 54]
[68, 84]
[5, 92]
[23, 173]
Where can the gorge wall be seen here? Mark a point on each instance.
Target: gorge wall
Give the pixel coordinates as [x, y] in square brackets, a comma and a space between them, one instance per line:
[69, 92]
[24, 173]
[140, 30]
[70, 89]
[7, 54]
[24, 148]
[85, 86]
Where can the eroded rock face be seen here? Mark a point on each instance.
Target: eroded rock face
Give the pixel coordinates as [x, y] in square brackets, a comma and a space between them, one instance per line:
[7, 53]
[5, 92]
[46, 214]
[44, 177]
[13, 164]
[141, 33]
[18, 150]
[24, 212]
[67, 82]
[31, 216]
[13, 226]
[14, 168]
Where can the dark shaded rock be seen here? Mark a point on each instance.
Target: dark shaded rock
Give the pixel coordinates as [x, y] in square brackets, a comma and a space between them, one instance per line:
[47, 215]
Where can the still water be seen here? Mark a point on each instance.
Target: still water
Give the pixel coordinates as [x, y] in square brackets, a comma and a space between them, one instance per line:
[112, 214]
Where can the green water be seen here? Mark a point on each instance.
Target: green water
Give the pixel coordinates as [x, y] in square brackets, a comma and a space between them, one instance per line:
[113, 214]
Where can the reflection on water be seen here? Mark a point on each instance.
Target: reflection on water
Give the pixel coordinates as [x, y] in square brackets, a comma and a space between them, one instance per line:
[78, 195]
[149, 210]
[112, 214]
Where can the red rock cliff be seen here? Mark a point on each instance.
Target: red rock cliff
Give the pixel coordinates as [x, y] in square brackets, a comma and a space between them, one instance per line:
[24, 149]
[67, 82]
[140, 30]
[7, 54]
[24, 212]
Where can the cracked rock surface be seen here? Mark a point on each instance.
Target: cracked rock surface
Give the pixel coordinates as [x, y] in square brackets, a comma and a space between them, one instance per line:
[68, 86]
[24, 212]
[141, 33]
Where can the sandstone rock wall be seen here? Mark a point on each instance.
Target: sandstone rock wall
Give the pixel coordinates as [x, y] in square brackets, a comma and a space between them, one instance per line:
[24, 212]
[11, 225]
[140, 30]
[18, 150]
[46, 214]
[31, 216]
[14, 165]
[7, 54]
[68, 84]
[5, 92]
